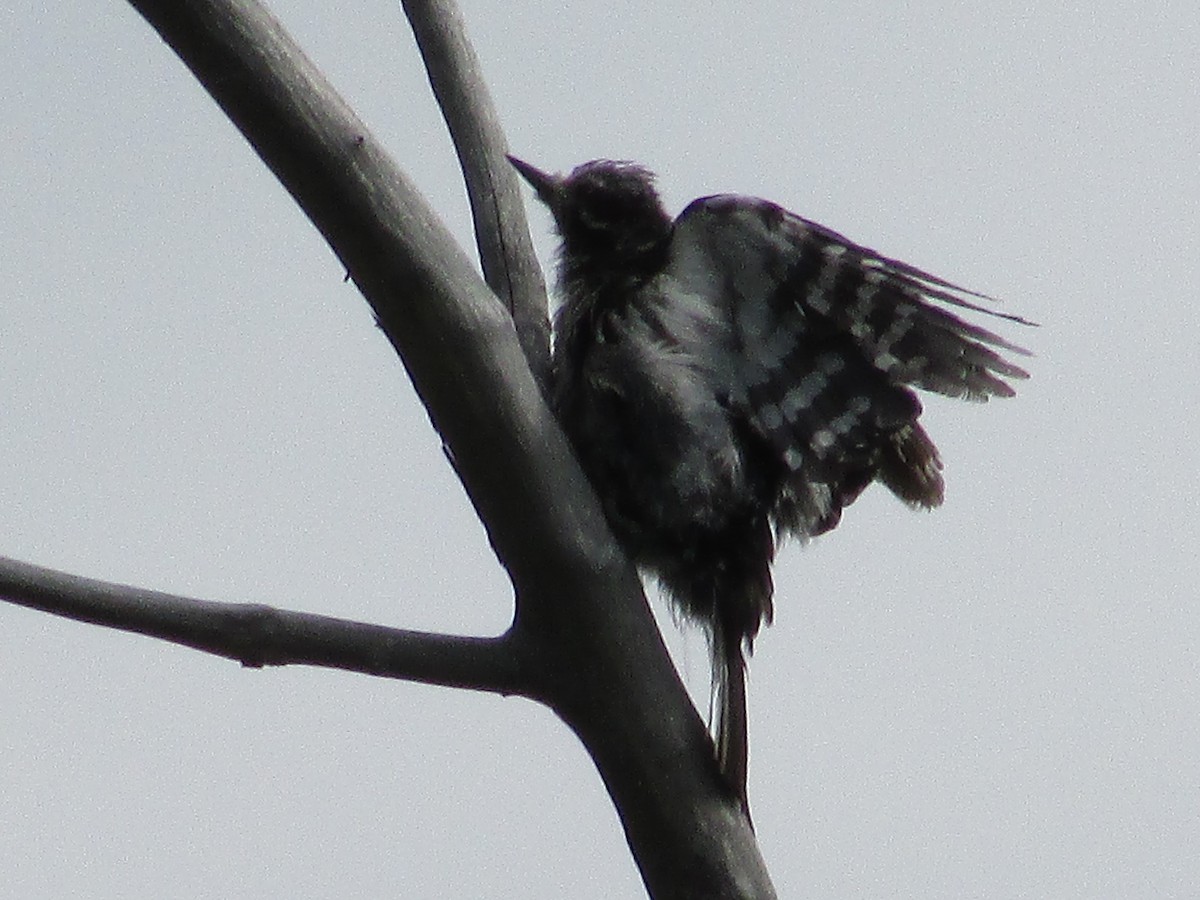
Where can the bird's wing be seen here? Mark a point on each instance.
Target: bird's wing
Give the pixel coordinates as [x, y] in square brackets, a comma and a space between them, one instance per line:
[821, 341]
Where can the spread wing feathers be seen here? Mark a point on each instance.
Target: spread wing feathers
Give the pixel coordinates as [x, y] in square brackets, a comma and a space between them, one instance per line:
[823, 341]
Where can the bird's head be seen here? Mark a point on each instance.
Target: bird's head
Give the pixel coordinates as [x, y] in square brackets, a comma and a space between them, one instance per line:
[605, 211]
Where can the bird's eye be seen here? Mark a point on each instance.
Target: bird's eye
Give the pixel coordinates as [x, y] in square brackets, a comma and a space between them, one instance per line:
[597, 213]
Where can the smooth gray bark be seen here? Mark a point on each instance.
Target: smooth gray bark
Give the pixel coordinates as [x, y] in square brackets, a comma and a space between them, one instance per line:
[583, 640]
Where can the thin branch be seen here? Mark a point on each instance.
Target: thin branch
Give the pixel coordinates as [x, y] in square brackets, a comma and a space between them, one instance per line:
[501, 231]
[257, 635]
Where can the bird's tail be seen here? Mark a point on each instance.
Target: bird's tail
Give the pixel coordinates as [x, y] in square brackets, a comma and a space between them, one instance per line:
[733, 744]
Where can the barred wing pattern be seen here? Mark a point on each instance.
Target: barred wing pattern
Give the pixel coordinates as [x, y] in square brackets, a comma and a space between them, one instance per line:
[822, 343]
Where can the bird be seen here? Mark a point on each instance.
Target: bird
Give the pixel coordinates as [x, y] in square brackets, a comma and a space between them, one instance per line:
[739, 375]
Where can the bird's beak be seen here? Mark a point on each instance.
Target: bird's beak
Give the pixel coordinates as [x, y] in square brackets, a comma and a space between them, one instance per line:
[546, 185]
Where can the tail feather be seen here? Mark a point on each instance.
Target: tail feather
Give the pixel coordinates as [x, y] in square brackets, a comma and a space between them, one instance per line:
[733, 745]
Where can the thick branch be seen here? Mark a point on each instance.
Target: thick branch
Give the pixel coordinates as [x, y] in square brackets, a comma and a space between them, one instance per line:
[456, 341]
[257, 635]
[501, 231]
[600, 661]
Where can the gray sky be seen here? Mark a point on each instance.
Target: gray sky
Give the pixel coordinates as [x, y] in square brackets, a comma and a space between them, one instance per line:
[996, 700]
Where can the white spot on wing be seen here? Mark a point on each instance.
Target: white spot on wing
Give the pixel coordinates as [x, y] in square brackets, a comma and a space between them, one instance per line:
[770, 417]
[801, 396]
[817, 297]
[885, 362]
[818, 302]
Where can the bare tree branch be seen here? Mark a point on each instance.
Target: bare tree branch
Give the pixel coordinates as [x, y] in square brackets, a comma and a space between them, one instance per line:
[589, 646]
[501, 231]
[257, 635]
[457, 343]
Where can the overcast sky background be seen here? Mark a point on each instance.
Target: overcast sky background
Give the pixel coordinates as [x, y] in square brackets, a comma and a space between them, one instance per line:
[1001, 699]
